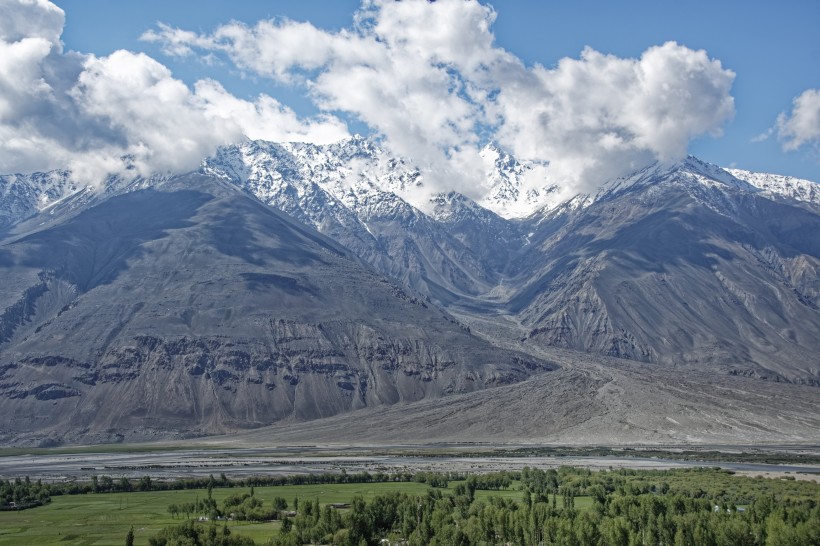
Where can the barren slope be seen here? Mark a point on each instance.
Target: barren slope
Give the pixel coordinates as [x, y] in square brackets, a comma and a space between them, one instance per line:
[591, 401]
[192, 308]
[683, 269]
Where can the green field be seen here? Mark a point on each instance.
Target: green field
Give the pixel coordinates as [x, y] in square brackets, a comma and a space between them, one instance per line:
[102, 519]
[621, 503]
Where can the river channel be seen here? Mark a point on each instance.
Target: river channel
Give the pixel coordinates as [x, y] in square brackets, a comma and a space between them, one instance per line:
[240, 463]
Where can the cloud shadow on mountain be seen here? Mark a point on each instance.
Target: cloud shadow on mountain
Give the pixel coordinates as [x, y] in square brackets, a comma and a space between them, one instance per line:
[94, 247]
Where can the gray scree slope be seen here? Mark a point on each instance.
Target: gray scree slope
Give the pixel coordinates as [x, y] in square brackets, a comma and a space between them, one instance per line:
[191, 308]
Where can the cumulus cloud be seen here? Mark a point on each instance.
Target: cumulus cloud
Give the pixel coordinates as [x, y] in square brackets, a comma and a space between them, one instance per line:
[124, 111]
[429, 78]
[601, 116]
[408, 73]
[26, 19]
[802, 125]
[426, 77]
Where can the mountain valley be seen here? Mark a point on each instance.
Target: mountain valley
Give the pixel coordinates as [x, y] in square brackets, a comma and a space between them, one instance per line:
[287, 284]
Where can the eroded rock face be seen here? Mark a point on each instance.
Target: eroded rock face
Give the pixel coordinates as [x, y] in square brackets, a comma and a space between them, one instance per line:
[686, 264]
[157, 308]
[677, 271]
[191, 308]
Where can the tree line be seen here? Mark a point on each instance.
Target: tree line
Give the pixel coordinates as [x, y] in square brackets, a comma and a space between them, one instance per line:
[623, 507]
[440, 519]
[22, 493]
[237, 506]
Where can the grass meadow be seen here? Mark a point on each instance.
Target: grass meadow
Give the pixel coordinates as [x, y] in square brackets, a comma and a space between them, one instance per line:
[104, 518]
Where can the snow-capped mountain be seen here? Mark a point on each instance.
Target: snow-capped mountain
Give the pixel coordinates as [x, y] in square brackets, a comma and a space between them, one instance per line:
[683, 263]
[355, 193]
[22, 195]
[706, 174]
[516, 189]
[454, 249]
[351, 171]
[357, 170]
[780, 186]
[706, 269]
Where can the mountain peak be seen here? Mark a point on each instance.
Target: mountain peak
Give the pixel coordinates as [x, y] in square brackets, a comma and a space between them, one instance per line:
[516, 189]
[193, 282]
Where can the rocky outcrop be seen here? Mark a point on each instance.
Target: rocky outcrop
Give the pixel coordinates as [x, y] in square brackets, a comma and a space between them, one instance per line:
[683, 268]
[191, 308]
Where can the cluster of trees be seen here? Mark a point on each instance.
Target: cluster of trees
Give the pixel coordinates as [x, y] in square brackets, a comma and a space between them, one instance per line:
[433, 479]
[238, 506]
[189, 534]
[21, 494]
[438, 519]
[247, 507]
[705, 507]
[107, 484]
[615, 518]
[562, 506]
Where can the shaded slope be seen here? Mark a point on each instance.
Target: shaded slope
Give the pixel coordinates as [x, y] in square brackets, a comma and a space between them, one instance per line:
[681, 270]
[350, 192]
[591, 401]
[192, 308]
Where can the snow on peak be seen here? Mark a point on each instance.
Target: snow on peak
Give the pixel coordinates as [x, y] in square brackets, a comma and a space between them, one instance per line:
[780, 185]
[769, 185]
[453, 207]
[22, 195]
[361, 176]
[358, 169]
[516, 188]
[690, 170]
[353, 170]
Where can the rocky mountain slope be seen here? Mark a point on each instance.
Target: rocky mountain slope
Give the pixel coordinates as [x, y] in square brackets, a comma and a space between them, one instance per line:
[685, 263]
[592, 400]
[688, 265]
[188, 307]
[198, 307]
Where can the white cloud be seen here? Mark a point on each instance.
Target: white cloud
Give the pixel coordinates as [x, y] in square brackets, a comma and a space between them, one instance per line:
[410, 74]
[429, 78]
[601, 116]
[22, 19]
[266, 118]
[762, 137]
[175, 42]
[802, 125]
[102, 115]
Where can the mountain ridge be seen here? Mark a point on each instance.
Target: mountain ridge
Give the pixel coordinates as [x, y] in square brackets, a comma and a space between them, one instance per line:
[685, 269]
[189, 307]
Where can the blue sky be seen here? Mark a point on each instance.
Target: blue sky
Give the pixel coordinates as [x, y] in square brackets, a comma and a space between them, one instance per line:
[772, 49]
